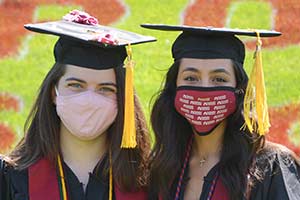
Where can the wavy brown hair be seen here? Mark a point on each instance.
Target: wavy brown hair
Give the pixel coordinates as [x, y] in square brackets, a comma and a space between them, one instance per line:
[42, 139]
[172, 132]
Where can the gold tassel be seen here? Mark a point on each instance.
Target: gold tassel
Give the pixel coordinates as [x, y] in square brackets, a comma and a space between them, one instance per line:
[129, 132]
[255, 103]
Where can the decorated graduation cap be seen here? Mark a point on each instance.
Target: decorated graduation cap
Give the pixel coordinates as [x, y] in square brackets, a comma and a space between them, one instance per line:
[210, 43]
[85, 43]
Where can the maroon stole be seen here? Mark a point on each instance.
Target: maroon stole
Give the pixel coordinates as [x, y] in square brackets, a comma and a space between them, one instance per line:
[43, 184]
[220, 192]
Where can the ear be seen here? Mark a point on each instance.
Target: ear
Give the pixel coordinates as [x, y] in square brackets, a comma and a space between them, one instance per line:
[239, 91]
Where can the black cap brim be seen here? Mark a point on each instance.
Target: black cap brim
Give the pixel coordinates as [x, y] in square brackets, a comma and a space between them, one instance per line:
[212, 30]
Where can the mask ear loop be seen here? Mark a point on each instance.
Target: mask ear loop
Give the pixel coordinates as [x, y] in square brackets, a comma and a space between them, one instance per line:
[56, 91]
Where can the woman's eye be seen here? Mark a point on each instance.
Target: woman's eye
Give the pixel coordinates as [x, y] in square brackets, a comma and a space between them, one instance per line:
[107, 90]
[219, 80]
[75, 85]
[191, 78]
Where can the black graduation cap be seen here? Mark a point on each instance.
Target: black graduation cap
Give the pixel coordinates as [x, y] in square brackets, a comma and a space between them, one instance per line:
[210, 42]
[90, 46]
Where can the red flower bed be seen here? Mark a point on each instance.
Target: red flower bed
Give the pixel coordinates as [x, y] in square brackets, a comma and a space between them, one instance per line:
[287, 21]
[11, 27]
[206, 13]
[281, 120]
[7, 138]
[7, 102]
[213, 13]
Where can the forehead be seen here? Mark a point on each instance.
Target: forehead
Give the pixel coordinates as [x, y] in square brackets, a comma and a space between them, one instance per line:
[206, 64]
[90, 75]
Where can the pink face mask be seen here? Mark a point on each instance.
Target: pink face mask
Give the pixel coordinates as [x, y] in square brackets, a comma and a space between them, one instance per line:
[86, 114]
[205, 107]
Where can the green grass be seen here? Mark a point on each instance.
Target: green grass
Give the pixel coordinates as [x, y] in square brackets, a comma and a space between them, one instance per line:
[282, 74]
[152, 59]
[294, 134]
[22, 75]
[53, 12]
[250, 14]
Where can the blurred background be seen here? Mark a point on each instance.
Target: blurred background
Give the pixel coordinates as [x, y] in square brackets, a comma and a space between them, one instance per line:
[25, 57]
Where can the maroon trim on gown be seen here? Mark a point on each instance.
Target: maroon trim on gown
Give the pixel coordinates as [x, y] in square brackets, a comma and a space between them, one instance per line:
[43, 180]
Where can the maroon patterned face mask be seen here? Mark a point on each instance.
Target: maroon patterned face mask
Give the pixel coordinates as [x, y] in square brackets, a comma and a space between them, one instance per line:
[205, 107]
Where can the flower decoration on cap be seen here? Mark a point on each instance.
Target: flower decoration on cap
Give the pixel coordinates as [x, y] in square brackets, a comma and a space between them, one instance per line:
[80, 17]
[107, 37]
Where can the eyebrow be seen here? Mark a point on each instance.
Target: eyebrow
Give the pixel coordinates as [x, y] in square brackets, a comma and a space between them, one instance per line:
[108, 83]
[82, 81]
[190, 69]
[75, 79]
[220, 70]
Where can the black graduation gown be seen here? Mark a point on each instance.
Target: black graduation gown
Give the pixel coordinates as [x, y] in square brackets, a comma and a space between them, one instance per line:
[281, 180]
[97, 187]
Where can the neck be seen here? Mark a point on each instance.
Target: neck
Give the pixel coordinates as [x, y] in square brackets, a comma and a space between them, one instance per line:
[81, 155]
[211, 144]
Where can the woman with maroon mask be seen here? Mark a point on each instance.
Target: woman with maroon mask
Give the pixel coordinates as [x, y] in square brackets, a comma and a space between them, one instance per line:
[209, 121]
[82, 139]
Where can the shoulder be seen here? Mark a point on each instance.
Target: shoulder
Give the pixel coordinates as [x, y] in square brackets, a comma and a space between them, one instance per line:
[275, 159]
[274, 154]
[8, 166]
[14, 181]
[276, 172]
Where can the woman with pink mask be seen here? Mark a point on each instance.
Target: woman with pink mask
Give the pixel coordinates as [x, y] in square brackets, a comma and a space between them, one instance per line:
[72, 146]
[209, 121]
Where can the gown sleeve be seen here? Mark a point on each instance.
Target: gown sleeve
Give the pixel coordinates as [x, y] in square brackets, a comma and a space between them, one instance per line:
[2, 181]
[281, 180]
[13, 183]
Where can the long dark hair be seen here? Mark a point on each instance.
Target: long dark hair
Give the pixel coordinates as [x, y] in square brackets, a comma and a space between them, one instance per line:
[42, 130]
[172, 134]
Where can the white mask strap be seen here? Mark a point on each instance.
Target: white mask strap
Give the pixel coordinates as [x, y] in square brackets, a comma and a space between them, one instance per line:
[56, 91]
